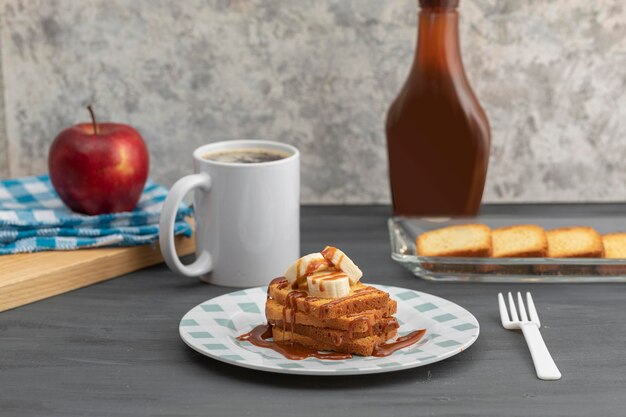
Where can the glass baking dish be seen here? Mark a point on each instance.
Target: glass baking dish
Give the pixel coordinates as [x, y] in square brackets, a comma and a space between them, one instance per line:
[404, 230]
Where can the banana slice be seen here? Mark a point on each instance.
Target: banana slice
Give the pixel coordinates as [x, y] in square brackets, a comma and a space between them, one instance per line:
[342, 262]
[304, 266]
[328, 284]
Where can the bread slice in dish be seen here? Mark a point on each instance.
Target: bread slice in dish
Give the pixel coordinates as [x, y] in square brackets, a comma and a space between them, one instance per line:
[521, 241]
[468, 240]
[574, 242]
[614, 245]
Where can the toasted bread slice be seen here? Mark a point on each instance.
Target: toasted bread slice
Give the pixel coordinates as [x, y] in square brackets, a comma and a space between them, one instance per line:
[521, 241]
[338, 337]
[614, 248]
[274, 312]
[473, 240]
[363, 346]
[361, 298]
[614, 245]
[574, 242]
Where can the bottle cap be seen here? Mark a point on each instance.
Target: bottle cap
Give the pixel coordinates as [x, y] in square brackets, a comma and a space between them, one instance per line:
[440, 4]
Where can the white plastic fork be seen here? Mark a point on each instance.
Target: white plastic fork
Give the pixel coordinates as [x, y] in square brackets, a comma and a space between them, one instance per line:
[544, 364]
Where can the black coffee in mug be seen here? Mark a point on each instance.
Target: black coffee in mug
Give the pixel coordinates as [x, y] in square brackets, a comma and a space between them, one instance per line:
[245, 156]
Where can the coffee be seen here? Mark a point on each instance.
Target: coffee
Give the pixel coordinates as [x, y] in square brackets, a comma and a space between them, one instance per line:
[245, 156]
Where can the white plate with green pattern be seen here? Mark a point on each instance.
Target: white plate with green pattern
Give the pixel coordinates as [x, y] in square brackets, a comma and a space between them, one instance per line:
[211, 328]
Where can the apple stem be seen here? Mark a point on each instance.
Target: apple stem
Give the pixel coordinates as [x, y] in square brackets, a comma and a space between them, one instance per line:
[93, 120]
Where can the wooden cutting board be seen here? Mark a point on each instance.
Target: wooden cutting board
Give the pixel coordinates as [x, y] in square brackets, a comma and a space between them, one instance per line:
[29, 277]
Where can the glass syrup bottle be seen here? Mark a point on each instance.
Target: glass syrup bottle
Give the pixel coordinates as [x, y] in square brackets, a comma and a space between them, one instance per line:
[438, 136]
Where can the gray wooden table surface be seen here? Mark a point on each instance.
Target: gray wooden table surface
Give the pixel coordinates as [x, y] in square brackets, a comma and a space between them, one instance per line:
[113, 349]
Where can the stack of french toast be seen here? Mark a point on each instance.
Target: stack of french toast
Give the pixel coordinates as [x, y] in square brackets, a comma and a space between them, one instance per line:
[520, 241]
[321, 304]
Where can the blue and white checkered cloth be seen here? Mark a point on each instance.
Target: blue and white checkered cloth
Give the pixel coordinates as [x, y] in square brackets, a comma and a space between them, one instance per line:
[33, 218]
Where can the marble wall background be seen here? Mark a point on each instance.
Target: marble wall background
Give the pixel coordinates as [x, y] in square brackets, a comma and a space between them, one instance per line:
[320, 74]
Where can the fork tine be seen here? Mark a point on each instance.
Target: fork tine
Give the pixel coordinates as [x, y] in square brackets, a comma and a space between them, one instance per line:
[531, 309]
[512, 309]
[504, 316]
[522, 309]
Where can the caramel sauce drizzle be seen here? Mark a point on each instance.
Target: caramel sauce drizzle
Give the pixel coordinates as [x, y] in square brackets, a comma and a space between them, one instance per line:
[392, 324]
[356, 322]
[311, 267]
[330, 275]
[325, 308]
[280, 282]
[329, 253]
[377, 314]
[387, 348]
[307, 305]
[294, 351]
[291, 304]
[314, 266]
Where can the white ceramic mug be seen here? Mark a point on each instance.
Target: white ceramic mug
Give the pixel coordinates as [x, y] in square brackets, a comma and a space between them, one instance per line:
[247, 216]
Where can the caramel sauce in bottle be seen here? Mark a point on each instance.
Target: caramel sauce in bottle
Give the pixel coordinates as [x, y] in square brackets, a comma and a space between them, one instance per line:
[438, 135]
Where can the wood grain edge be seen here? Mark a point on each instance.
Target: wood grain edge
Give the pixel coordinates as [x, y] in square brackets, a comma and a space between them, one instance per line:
[79, 275]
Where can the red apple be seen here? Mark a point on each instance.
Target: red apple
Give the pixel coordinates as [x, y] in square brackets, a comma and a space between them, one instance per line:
[99, 167]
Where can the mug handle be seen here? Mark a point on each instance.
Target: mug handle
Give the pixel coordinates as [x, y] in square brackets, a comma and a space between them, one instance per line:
[203, 262]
